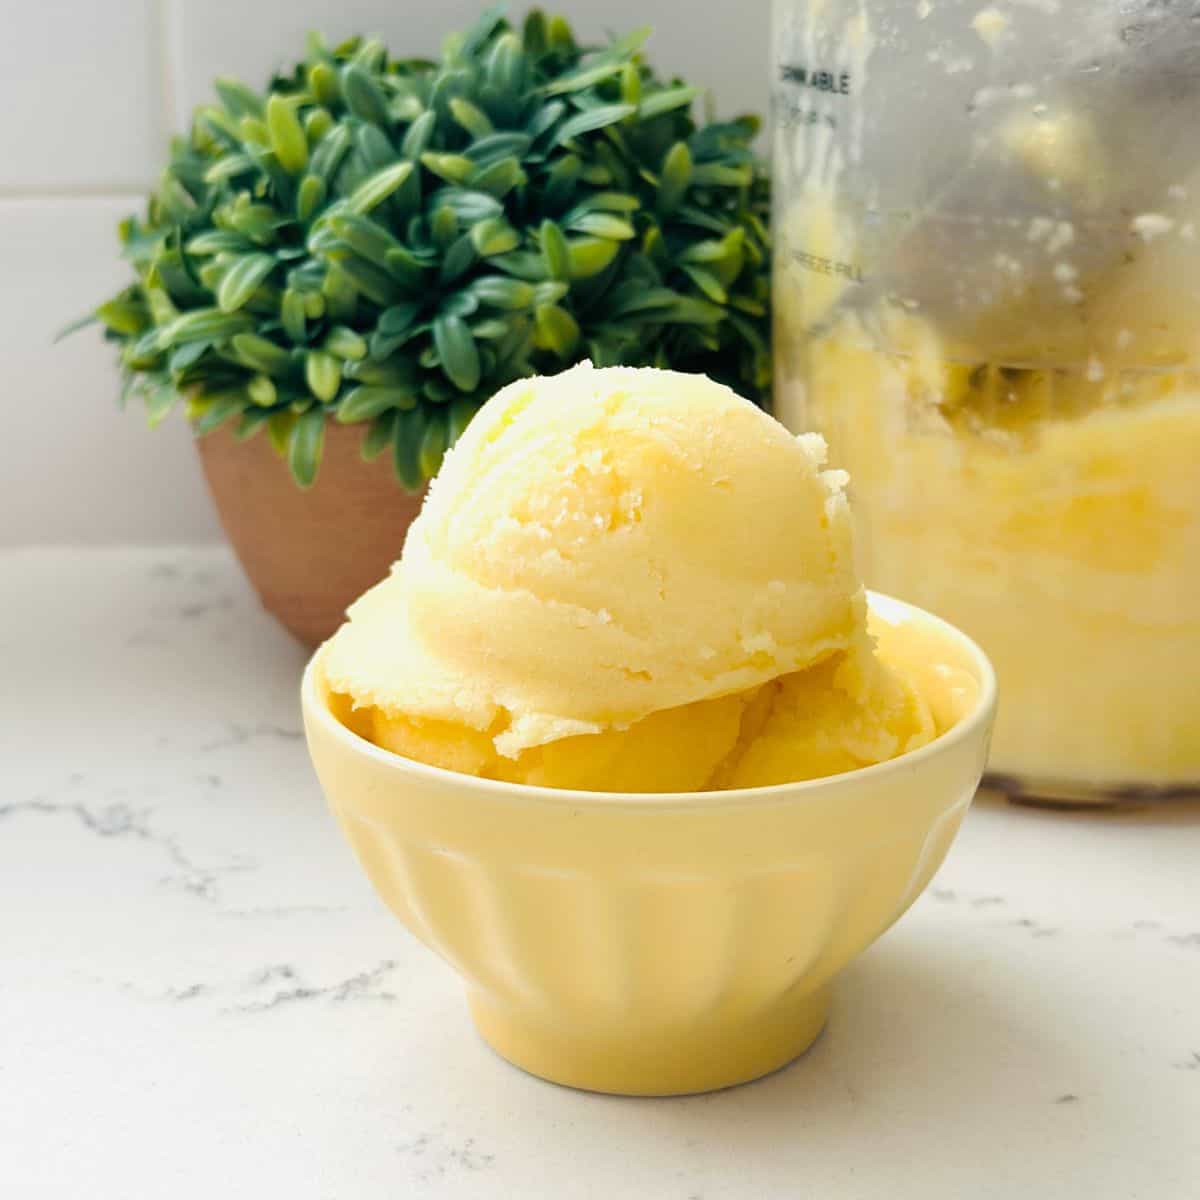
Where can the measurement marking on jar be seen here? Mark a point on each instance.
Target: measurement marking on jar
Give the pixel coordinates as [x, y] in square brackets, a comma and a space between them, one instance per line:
[827, 266]
[793, 114]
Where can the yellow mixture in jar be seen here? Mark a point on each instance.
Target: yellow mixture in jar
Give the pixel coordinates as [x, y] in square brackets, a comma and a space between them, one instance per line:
[1054, 515]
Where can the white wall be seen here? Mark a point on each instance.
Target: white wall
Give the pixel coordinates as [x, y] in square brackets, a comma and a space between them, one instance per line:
[89, 90]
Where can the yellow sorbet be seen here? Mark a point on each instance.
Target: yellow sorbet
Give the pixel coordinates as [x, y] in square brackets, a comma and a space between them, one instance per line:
[626, 579]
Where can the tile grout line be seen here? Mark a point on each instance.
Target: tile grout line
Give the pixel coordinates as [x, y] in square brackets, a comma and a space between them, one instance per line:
[118, 190]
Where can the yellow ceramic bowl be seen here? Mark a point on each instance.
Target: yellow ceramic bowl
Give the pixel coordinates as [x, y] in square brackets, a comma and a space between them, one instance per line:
[662, 943]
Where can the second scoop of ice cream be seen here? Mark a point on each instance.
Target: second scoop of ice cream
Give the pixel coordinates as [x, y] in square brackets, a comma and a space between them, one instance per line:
[626, 579]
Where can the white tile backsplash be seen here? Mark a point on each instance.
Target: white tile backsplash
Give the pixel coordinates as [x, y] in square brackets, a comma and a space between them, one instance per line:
[88, 91]
[74, 467]
[82, 91]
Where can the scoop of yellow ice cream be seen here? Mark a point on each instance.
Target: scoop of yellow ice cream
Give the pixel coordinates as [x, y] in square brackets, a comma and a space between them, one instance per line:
[847, 711]
[626, 580]
[600, 546]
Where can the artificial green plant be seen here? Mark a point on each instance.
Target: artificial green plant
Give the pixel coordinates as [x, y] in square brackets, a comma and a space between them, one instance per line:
[388, 241]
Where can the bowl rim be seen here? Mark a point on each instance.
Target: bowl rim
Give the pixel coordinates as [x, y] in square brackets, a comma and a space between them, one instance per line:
[317, 712]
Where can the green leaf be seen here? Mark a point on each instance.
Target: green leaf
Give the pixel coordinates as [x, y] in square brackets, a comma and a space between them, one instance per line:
[499, 177]
[363, 95]
[493, 235]
[407, 436]
[304, 447]
[748, 304]
[341, 299]
[605, 202]
[398, 317]
[675, 178]
[374, 190]
[443, 228]
[379, 436]
[160, 401]
[229, 167]
[559, 37]
[293, 316]
[367, 238]
[507, 65]
[589, 256]
[242, 280]
[688, 310]
[279, 430]
[453, 168]
[214, 411]
[561, 182]
[707, 282]
[399, 371]
[78, 324]
[458, 353]
[533, 33]
[636, 298]
[550, 292]
[262, 391]
[631, 83]
[462, 303]
[489, 329]
[374, 147]
[125, 317]
[218, 241]
[459, 259]
[433, 447]
[250, 422]
[143, 354]
[404, 266]
[202, 325]
[587, 77]
[258, 222]
[344, 343]
[238, 98]
[186, 356]
[252, 130]
[666, 101]
[287, 134]
[323, 374]
[502, 292]
[556, 330]
[545, 118]
[592, 119]
[369, 280]
[472, 118]
[711, 250]
[720, 175]
[467, 205]
[417, 136]
[554, 250]
[370, 400]
[715, 222]
[310, 195]
[523, 264]
[602, 225]
[330, 151]
[323, 82]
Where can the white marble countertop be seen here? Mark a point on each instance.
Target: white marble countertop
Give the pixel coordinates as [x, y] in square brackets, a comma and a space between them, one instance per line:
[201, 997]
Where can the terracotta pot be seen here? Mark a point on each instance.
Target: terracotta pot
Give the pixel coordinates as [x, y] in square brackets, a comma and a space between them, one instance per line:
[308, 553]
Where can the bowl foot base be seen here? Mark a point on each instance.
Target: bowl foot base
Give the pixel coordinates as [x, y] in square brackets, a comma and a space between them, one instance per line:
[701, 1057]
[1035, 792]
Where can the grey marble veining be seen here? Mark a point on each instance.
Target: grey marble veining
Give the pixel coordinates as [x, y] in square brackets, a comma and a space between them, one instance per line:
[200, 995]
